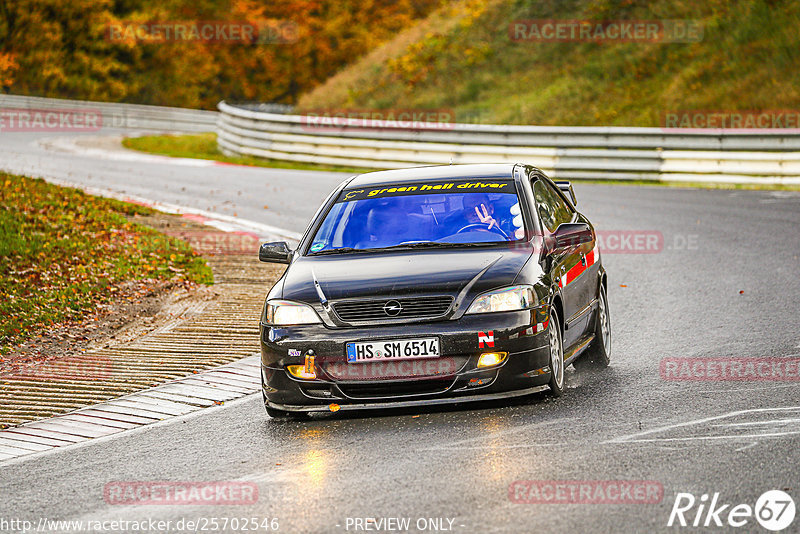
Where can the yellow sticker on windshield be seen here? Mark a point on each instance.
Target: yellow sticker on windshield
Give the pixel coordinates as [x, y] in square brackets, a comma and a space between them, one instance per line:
[497, 186]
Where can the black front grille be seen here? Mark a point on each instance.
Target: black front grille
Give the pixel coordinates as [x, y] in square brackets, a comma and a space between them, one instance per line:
[407, 388]
[383, 309]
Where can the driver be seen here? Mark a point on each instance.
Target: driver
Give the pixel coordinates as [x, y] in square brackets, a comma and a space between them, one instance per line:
[478, 209]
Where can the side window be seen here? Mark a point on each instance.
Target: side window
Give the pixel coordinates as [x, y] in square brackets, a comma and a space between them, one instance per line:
[551, 207]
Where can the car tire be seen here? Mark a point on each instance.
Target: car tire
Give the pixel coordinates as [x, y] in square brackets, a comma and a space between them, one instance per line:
[555, 338]
[598, 355]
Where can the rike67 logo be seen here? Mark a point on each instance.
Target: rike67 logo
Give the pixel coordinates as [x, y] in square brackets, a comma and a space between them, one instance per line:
[774, 510]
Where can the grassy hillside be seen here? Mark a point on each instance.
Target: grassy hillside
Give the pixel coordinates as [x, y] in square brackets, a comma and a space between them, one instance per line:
[462, 58]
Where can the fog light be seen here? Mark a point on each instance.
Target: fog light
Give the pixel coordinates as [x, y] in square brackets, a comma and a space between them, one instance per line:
[304, 372]
[491, 359]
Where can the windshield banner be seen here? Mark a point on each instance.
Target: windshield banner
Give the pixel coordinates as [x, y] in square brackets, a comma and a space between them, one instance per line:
[429, 188]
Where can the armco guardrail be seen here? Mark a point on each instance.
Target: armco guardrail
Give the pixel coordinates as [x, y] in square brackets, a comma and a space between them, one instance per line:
[123, 116]
[612, 153]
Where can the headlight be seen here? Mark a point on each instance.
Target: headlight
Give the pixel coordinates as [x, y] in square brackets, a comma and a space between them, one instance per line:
[508, 299]
[286, 312]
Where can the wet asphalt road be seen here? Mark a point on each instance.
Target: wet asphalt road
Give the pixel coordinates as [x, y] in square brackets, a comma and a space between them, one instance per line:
[724, 285]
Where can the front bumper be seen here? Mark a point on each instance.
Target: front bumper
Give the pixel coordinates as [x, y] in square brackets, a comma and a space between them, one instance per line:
[453, 377]
[475, 397]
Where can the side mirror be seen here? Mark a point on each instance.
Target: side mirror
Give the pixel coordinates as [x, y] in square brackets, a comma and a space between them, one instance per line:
[569, 235]
[278, 252]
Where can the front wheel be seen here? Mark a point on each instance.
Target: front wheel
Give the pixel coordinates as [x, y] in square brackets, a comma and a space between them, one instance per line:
[556, 356]
[598, 355]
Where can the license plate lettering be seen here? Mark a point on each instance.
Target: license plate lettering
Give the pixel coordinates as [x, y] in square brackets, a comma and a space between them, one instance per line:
[384, 350]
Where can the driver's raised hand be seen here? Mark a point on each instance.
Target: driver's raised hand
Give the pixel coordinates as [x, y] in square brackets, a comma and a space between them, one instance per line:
[484, 217]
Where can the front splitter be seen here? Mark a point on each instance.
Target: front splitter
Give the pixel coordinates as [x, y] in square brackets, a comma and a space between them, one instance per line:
[410, 403]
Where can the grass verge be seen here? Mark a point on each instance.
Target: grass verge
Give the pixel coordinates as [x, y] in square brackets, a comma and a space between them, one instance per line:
[204, 146]
[63, 252]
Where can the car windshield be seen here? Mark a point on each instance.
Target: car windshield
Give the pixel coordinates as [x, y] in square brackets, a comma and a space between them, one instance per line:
[441, 213]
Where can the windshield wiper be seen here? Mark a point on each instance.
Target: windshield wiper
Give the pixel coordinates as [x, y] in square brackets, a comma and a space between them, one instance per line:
[435, 244]
[343, 250]
[422, 244]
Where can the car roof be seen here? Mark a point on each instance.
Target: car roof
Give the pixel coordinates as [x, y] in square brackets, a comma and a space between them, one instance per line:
[436, 172]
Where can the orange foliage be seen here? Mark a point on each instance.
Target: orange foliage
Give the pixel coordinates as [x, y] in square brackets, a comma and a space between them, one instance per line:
[65, 48]
[7, 68]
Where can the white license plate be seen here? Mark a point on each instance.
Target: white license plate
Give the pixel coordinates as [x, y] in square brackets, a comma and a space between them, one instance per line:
[396, 349]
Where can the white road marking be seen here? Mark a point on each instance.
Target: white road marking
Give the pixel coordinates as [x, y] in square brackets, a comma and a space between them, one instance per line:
[737, 390]
[639, 436]
[710, 438]
[493, 447]
[757, 423]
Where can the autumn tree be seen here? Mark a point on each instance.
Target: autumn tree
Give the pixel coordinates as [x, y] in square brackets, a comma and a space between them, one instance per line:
[62, 48]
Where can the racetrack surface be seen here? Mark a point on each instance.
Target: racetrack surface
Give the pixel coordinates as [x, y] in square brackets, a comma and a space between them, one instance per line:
[724, 285]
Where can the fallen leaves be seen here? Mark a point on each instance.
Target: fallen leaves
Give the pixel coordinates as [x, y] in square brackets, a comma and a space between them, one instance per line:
[63, 253]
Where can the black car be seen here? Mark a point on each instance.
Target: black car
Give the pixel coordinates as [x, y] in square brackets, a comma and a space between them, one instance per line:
[433, 285]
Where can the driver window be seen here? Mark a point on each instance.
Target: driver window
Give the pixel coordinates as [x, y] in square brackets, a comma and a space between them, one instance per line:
[551, 207]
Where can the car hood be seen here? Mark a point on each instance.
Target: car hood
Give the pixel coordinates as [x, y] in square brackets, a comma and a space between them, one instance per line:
[397, 274]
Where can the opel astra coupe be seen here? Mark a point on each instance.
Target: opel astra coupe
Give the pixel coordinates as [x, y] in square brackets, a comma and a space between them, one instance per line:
[433, 285]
